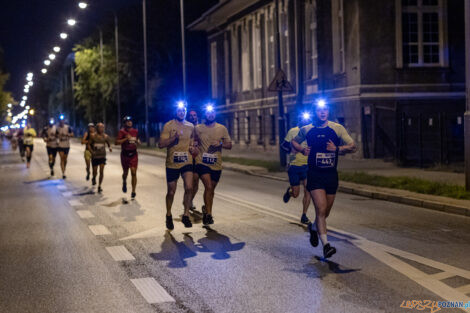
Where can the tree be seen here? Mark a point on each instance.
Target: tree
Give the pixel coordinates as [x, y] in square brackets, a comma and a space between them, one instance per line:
[5, 96]
[96, 84]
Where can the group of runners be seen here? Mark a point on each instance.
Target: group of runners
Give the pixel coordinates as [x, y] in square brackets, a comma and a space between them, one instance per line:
[194, 152]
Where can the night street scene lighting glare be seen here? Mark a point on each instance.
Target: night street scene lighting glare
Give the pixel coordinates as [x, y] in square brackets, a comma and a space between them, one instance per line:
[26, 90]
[62, 117]
[56, 49]
[181, 104]
[52, 56]
[306, 116]
[31, 112]
[9, 105]
[44, 71]
[47, 62]
[209, 108]
[71, 22]
[321, 103]
[63, 35]
[82, 5]
[25, 98]
[30, 84]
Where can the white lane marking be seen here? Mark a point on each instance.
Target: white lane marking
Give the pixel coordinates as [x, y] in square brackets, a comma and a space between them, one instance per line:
[464, 289]
[67, 194]
[99, 230]
[85, 214]
[75, 202]
[61, 187]
[383, 254]
[120, 253]
[442, 275]
[151, 290]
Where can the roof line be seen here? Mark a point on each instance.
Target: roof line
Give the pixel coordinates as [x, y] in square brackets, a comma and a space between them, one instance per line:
[207, 13]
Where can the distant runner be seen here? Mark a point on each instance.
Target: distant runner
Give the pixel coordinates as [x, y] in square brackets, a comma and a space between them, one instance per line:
[297, 168]
[64, 132]
[86, 137]
[97, 145]
[49, 134]
[128, 138]
[29, 135]
[325, 140]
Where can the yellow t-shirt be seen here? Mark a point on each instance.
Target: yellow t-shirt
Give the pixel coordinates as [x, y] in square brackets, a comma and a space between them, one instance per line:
[29, 135]
[177, 154]
[296, 159]
[206, 137]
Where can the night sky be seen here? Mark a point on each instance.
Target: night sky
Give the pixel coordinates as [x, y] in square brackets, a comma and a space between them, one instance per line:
[29, 30]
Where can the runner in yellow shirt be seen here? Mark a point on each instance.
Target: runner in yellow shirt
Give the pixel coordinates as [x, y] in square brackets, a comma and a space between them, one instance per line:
[212, 137]
[297, 168]
[28, 141]
[178, 138]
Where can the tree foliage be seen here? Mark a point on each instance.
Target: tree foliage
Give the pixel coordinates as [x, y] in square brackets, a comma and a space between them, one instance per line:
[97, 78]
[5, 96]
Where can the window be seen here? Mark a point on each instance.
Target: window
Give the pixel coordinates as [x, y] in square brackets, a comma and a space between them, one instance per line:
[338, 36]
[284, 35]
[270, 45]
[246, 66]
[260, 129]
[214, 69]
[247, 129]
[420, 33]
[311, 53]
[235, 57]
[257, 63]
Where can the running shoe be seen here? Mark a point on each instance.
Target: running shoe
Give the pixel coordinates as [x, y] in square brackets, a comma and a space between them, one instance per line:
[87, 175]
[209, 219]
[286, 196]
[169, 222]
[204, 219]
[313, 235]
[203, 209]
[124, 186]
[64, 177]
[304, 219]
[133, 195]
[192, 208]
[52, 172]
[93, 181]
[328, 251]
[186, 221]
[100, 190]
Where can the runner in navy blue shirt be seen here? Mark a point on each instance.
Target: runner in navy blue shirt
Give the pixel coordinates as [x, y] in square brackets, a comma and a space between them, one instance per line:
[325, 140]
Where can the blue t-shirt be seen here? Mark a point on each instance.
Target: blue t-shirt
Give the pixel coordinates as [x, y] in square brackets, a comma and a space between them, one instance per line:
[320, 159]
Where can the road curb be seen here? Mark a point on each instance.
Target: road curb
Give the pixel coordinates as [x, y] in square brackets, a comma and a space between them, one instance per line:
[357, 189]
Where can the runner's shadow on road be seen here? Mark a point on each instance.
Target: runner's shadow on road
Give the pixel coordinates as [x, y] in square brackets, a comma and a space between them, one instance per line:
[114, 203]
[321, 267]
[218, 244]
[176, 252]
[43, 180]
[130, 211]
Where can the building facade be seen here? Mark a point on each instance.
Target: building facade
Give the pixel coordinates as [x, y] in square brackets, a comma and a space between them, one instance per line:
[393, 71]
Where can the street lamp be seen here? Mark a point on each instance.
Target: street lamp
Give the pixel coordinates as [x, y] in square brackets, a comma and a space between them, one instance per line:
[52, 56]
[71, 22]
[9, 105]
[30, 84]
[63, 35]
[44, 71]
[56, 49]
[82, 5]
[26, 90]
[31, 112]
[47, 62]
[25, 98]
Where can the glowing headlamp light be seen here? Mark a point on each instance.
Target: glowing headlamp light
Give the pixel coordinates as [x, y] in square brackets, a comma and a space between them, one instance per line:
[306, 116]
[320, 104]
[62, 117]
[181, 105]
[210, 108]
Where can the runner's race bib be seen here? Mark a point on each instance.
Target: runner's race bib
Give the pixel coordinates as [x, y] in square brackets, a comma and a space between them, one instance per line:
[208, 158]
[132, 140]
[180, 157]
[325, 160]
[99, 146]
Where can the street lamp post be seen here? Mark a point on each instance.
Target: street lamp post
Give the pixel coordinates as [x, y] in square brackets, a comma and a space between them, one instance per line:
[183, 47]
[144, 18]
[467, 112]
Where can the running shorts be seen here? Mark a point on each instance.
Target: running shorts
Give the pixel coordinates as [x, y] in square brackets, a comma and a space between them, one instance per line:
[52, 151]
[64, 150]
[31, 147]
[129, 159]
[96, 162]
[202, 170]
[87, 155]
[173, 174]
[326, 180]
[297, 174]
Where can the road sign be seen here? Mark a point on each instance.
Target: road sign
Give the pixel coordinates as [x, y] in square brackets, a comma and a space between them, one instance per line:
[280, 83]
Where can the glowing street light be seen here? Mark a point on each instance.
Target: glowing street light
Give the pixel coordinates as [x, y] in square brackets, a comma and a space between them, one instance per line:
[9, 105]
[56, 49]
[22, 104]
[30, 84]
[82, 5]
[27, 107]
[44, 71]
[31, 112]
[52, 56]
[47, 62]
[25, 98]
[63, 35]
[26, 90]
[71, 22]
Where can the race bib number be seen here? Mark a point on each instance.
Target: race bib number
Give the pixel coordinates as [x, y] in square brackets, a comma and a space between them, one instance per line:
[208, 158]
[99, 146]
[64, 138]
[180, 157]
[325, 160]
[132, 140]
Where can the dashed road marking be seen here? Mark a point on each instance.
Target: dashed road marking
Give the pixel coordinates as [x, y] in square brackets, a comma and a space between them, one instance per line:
[62, 187]
[75, 202]
[85, 214]
[120, 253]
[151, 290]
[99, 230]
[67, 194]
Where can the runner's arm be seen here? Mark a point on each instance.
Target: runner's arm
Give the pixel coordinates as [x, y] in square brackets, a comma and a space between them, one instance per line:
[120, 139]
[84, 141]
[348, 144]
[165, 139]
[226, 140]
[296, 142]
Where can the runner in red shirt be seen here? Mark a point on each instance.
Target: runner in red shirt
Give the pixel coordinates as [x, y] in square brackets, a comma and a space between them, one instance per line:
[128, 138]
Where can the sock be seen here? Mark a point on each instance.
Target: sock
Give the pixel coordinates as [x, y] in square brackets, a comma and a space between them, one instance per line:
[323, 239]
